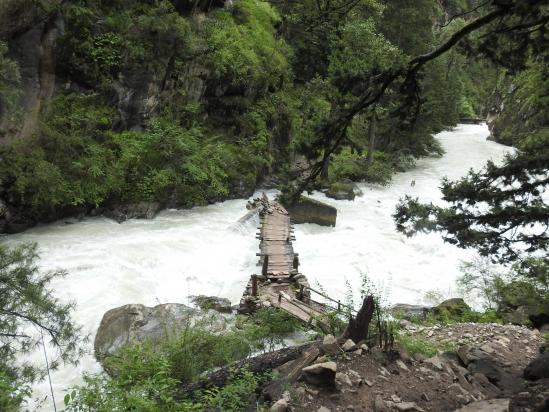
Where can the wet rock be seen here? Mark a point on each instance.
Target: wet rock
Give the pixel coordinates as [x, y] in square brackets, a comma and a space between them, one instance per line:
[307, 210]
[220, 305]
[141, 210]
[492, 405]
[341, 191]
[320, 374]
[538, 368]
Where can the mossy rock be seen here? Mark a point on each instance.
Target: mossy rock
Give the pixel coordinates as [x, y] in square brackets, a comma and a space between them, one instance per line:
[452, 308]
[341, 191]
[307, 210]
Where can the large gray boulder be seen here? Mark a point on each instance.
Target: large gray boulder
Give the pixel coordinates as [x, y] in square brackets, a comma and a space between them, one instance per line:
[307, 210]
[140, 210]
[538, 368]
[320, 374]
[136, 323]
[341, 191]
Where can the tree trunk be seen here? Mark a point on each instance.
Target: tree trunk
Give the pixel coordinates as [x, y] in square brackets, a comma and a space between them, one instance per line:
[372, 138]
[357, 329]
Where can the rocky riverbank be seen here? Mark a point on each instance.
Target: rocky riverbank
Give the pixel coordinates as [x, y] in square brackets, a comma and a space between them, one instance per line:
[467, 367]
[482, 369]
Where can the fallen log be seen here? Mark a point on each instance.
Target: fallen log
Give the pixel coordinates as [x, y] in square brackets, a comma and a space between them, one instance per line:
[258, 364]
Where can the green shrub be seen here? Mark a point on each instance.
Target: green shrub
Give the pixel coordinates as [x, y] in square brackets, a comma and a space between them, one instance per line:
[146, 375]
[13, 392]
[415, 344]
[71, 161]
[267, 328]
[353, 166]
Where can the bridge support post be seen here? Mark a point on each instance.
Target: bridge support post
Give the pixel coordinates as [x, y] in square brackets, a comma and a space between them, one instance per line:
[254, 285]
[265, 266]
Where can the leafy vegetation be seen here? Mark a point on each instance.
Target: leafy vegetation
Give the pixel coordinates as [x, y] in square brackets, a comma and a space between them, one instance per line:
[146, 376]
[30, 316]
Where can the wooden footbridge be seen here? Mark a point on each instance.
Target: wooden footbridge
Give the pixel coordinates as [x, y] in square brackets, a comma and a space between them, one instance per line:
[280, 284]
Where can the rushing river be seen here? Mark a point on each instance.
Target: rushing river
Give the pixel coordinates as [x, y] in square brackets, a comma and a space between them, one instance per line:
[204, 251]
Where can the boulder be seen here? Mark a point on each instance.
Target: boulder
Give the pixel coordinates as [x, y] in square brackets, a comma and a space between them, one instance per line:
[280, 406]
[491, 405]
[519, 316]
[349, 345]
[434, 361]
[330, 345]
[408, 312]
[455, 308]
[307, 210]
[408, 406]
[538, 368]
[221, 305]
[481, 362]
[137, 323]
[341, 191]
[343, 379]
[141, 210]
[535, 315]
[320, 374]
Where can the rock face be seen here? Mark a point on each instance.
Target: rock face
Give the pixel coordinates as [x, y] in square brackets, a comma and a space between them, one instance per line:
[538, 368]
[308, 210]
[136, 323]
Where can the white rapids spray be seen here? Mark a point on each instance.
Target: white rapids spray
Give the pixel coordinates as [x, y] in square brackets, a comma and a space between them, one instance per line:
[205, 251]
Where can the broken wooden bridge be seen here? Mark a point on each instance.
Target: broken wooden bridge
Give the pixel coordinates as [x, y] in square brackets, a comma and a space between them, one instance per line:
[280, 285]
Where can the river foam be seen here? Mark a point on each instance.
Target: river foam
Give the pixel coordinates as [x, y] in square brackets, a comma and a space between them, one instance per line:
[203, 251]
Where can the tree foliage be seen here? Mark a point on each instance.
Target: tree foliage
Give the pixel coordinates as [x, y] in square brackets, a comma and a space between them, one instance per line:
[28, 311]
[500, 211]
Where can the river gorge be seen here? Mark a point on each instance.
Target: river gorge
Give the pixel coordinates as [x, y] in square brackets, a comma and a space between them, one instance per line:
[205, 251]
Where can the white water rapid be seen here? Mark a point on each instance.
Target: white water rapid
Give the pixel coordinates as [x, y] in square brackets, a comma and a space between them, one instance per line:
[201, 251]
